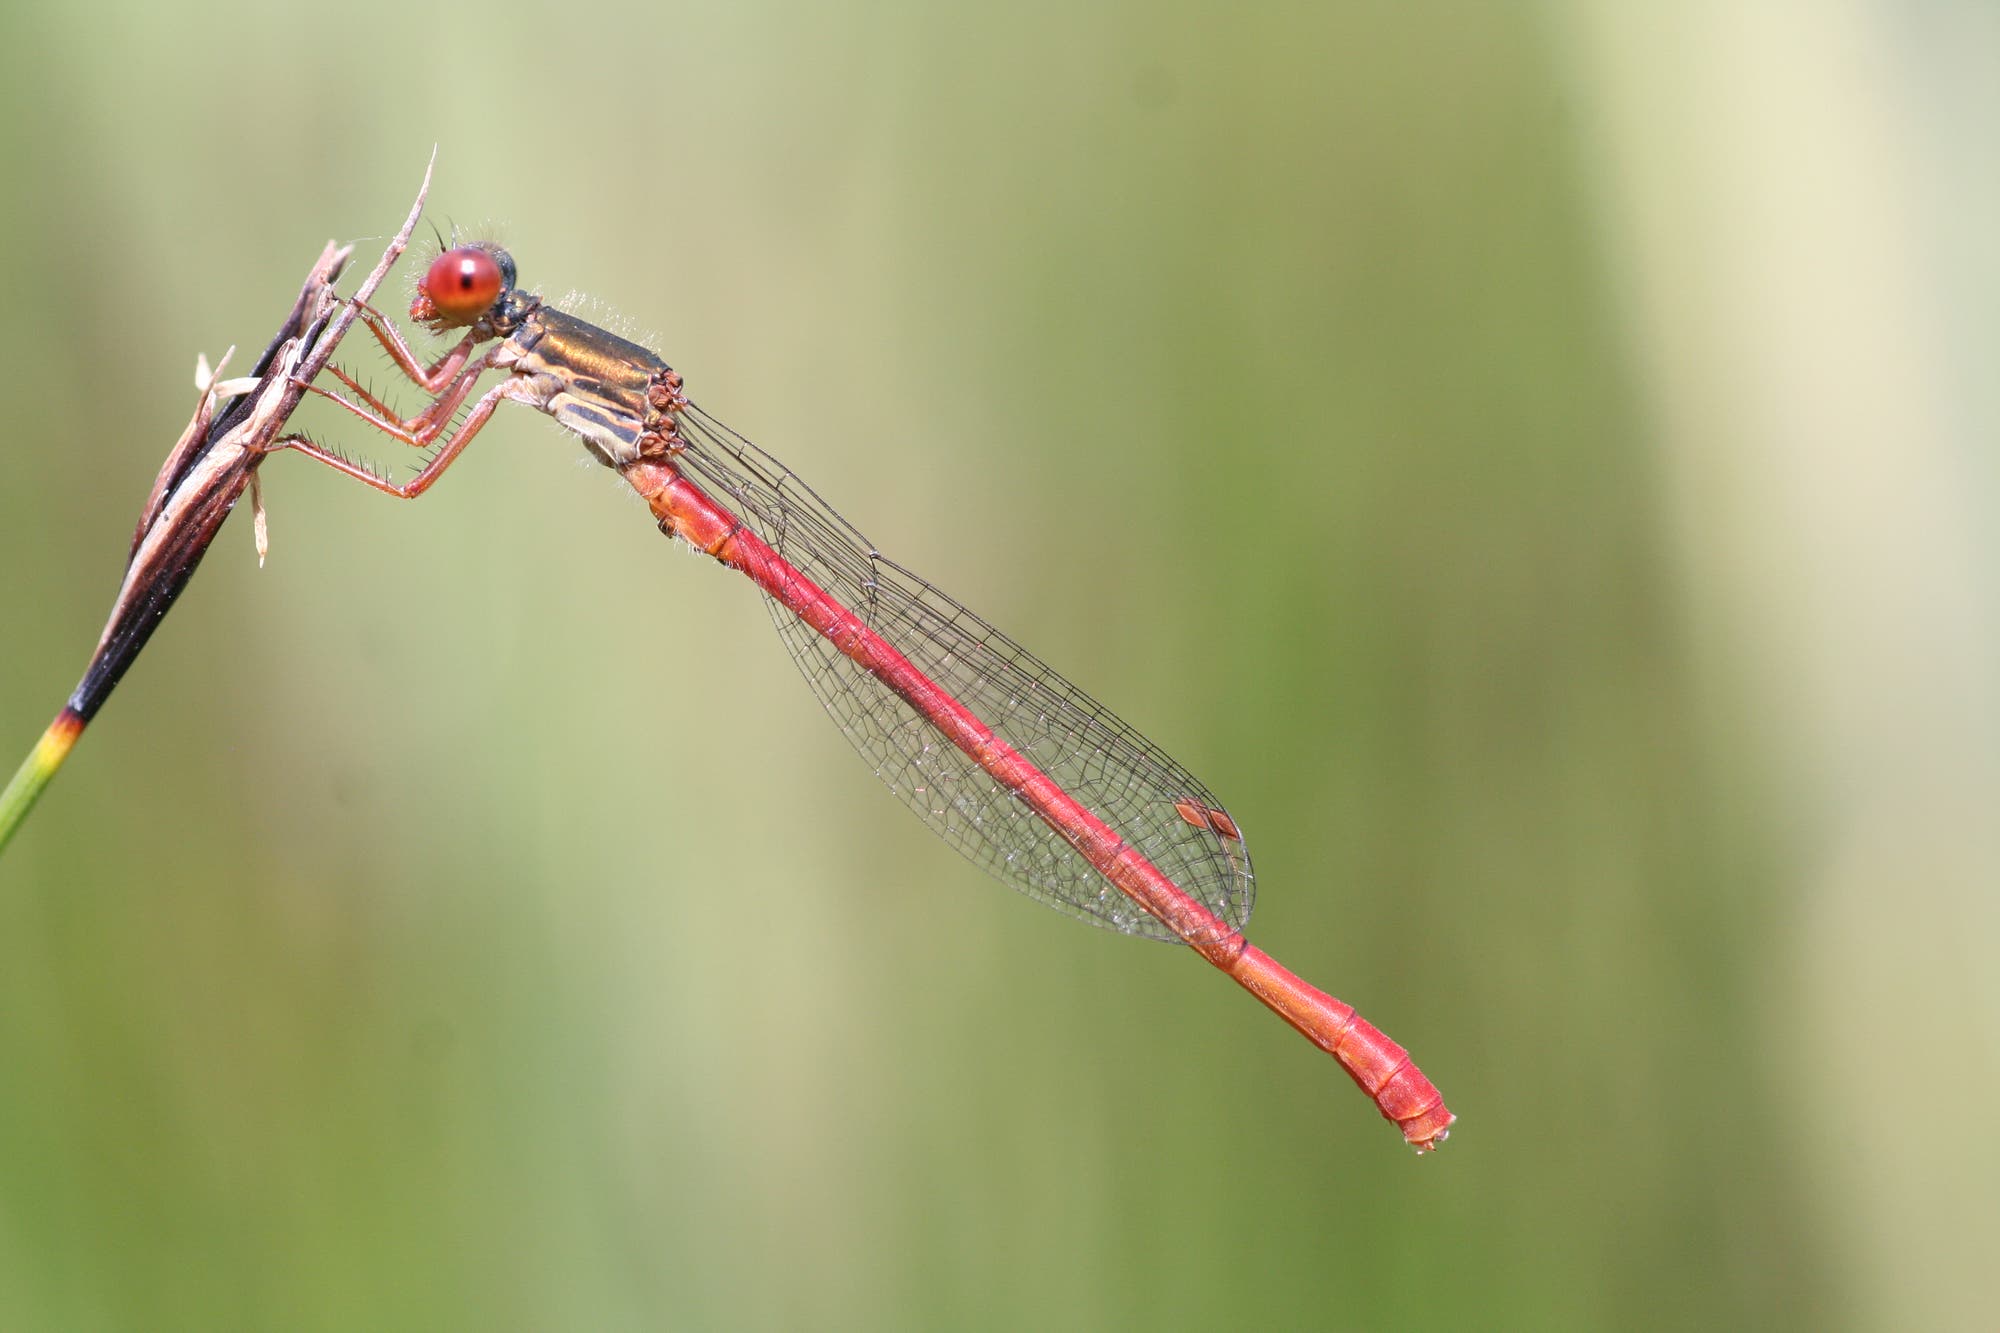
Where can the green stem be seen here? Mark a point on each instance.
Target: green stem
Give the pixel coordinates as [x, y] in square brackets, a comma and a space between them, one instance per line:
[36, 770]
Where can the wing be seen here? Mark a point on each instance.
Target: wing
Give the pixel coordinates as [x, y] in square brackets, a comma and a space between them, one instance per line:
[1125, 780]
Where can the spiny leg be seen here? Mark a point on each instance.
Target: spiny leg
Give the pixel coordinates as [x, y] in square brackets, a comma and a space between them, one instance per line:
[411, 430]
[423, 428]
[431, 380]
[432, 470]
[446, 371]
[361, 391]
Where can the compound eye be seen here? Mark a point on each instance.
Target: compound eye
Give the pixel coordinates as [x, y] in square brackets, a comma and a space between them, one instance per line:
[463, 284]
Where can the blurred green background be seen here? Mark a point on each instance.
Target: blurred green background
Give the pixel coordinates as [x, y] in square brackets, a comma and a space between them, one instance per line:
[1535, 462]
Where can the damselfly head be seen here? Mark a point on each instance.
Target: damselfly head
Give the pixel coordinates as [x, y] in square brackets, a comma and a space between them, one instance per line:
[462, 285]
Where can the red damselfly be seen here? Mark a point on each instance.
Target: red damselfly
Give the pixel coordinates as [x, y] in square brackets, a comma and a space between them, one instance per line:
[1011, 764]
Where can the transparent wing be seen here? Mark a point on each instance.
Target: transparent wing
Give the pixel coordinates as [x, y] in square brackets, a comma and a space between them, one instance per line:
[1152, 802]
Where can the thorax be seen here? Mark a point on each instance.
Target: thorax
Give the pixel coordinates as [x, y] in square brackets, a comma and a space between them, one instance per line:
[590, 380]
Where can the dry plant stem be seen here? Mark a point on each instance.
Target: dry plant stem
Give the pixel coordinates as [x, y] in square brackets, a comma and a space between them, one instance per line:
[209, 468]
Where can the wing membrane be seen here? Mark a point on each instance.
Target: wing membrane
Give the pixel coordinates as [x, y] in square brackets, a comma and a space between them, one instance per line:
[1125, 780]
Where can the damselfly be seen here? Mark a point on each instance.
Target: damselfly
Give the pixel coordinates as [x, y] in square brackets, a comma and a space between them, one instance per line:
[1017, 768]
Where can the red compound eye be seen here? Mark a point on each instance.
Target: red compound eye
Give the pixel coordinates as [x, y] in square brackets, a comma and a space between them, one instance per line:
[462, 284]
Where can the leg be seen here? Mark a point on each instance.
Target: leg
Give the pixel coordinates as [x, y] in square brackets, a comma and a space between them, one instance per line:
[430, 471]
[359, 390]
[431, 380]
[421, 429]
